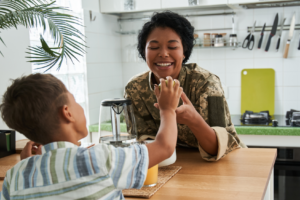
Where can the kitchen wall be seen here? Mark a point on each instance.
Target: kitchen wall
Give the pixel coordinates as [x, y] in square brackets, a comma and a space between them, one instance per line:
[13, 64]
[228, 63]
[104, 57]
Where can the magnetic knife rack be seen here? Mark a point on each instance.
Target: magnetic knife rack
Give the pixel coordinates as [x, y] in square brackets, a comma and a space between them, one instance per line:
[269, 28]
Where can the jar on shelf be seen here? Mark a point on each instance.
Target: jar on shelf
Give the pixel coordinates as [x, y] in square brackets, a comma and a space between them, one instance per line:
[197, 40]
[206, 40]
[213, 38]
[233, 40]
[224, 38]
[219, 42]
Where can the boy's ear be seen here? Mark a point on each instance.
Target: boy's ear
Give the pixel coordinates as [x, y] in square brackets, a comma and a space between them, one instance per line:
[66, 114]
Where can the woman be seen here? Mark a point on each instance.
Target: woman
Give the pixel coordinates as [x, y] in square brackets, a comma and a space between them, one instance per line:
[203, 118]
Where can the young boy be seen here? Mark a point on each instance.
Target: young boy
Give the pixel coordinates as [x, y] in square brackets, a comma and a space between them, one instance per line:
[40, 107]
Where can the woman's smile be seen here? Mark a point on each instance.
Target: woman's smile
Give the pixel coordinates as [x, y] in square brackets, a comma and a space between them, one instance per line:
[164, 65]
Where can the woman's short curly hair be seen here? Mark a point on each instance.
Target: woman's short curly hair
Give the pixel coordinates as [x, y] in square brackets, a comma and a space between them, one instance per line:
[171, 20]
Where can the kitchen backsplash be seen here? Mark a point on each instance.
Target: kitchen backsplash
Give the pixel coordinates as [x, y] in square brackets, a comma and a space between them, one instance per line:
[112, 58]
[228, 63]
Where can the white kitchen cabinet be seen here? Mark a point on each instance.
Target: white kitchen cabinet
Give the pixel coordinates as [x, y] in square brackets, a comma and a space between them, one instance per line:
[111, 6]
[117, 6]
[185, 3]
[147, 5]
[252, 1]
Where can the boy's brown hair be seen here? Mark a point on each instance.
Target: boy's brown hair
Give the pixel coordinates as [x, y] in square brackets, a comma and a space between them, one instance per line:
[31, 106]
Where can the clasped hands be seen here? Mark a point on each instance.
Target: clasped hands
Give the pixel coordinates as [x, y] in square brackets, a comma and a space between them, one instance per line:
[184, 113]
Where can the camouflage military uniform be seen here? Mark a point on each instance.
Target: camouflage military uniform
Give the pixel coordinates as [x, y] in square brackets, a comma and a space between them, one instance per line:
[198, 84]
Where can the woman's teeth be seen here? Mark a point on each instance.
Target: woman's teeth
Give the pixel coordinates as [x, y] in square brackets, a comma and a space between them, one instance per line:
[163, 64]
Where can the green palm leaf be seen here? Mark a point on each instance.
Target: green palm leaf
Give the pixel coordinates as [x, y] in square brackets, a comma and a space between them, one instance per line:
[68, 42]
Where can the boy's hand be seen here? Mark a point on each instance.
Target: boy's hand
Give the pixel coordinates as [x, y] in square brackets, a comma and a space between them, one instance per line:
[168, 96]
[29, 148]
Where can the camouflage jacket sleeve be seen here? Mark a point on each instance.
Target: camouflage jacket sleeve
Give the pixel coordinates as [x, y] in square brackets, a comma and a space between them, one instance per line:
[227, 136]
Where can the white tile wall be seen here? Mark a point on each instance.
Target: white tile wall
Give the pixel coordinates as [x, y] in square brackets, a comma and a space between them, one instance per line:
[228, 63]
[104, 57]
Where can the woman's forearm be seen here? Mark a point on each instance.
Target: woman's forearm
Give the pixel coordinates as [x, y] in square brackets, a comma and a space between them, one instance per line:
[205, 135]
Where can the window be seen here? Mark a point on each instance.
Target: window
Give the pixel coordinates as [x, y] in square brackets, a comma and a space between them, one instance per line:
[73, 75]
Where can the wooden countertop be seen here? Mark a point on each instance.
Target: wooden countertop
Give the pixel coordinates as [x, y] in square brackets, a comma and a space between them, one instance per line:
[243, 174]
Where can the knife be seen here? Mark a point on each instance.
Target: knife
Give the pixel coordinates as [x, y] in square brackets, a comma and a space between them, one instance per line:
[279, 35]
[261, 36]
[292, 27]
[273, 32]
[299, 43]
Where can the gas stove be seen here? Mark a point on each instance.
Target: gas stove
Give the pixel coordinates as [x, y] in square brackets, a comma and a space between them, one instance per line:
[261, 118]
[249, 118]
[293, 117]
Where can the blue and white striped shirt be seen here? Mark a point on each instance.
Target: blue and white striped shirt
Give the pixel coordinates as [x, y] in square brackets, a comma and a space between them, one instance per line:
[66, 171]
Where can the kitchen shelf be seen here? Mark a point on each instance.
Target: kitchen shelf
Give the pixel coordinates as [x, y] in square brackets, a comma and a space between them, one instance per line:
[146, 18]
[213, 47]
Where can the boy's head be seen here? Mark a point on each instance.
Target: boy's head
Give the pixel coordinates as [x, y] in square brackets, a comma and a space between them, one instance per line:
[40, 107]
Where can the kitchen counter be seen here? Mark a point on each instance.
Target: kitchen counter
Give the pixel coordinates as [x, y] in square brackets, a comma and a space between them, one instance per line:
[242, 174]
[265, 130]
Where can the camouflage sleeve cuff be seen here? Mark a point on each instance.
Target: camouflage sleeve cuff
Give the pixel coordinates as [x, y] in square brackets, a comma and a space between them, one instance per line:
[222, 137]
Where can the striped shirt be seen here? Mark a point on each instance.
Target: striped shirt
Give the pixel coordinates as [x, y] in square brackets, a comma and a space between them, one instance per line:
[66, 171]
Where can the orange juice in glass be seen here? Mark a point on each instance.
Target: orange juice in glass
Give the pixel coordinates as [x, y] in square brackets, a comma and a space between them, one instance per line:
[151, 179]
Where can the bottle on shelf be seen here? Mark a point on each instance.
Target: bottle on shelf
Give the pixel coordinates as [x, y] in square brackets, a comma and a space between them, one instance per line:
[213, 38]
[224, 38]
[219, 42]
[197, 40]
[206, 40]
[233, 40]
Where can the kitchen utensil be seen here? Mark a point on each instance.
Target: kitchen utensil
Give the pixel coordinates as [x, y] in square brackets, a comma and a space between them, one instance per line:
[279, 35]
[258, 90]
[117, 125]
[233, 24]
[292, 27]
[249, 40]
[261, 36]
[273, 32]
[299, 43]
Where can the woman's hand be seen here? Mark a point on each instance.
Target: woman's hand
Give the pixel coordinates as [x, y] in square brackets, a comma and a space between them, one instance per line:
[31, 146]
[186, 113]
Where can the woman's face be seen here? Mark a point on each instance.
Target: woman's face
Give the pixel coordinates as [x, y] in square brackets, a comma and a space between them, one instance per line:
[164, 53]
